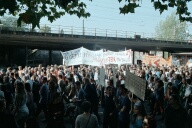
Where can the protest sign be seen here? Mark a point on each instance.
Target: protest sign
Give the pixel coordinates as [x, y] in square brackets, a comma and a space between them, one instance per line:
[102, 76]
[135, 84]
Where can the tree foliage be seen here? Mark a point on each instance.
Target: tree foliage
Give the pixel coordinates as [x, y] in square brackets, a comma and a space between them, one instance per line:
[31, 11]
[10, 23]
[45, 29]
[171, 29]
[182, 7]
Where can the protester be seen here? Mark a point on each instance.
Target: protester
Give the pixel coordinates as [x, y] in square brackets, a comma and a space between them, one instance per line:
[86, 120]
[50, 85]
[6, 120]
[21, 111]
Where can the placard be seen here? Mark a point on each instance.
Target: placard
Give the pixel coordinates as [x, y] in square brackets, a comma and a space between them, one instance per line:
[135, 84]
[102, 76]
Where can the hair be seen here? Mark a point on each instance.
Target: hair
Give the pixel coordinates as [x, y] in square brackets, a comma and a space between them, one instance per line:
[86, 80]
[44, 79]
[170, 83]
[122, 86]
[60, 76]
[78, 83]
[176, 98]
[6, 79]
[20, 87]
[16, 75]
[188, 81]
[86, 106]
[52, 85]
[160, 82]
[174, 90]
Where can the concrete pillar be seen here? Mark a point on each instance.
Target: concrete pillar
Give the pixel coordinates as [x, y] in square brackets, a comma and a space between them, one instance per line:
[133, 57]
[26, 55]
[50, 57]
[94, 47]
[163, 54]
[155, 53]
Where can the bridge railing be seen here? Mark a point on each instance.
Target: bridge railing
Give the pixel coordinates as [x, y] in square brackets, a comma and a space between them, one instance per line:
[57, 30]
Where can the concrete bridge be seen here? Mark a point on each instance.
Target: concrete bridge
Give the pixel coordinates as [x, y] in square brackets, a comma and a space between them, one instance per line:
[64, 42]
[13, 40]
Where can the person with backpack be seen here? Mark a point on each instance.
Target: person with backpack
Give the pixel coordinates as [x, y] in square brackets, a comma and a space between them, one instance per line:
[86, 120]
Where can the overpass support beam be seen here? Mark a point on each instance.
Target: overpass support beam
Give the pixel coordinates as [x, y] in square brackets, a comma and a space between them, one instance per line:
[133, 57]
[26, 55]
[163, 54]
[50, 57]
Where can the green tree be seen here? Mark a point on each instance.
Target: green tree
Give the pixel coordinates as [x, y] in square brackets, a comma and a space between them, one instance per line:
[31, 11]
[45, 29]
[10, 23]
[171, 29]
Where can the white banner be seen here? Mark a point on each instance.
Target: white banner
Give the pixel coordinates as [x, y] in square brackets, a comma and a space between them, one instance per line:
[119, 58]
[96, 58]
[92, 57]
[73, 57]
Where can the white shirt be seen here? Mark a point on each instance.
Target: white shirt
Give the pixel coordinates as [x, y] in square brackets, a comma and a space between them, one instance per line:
[96, 76]
[188, 90]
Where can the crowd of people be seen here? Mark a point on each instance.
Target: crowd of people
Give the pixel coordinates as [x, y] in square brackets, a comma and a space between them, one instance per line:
[75, 92]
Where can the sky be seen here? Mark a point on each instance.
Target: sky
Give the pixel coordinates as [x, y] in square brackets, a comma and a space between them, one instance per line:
[105, 16]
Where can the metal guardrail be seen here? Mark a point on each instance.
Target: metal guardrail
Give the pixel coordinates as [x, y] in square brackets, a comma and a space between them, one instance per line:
[84, 32]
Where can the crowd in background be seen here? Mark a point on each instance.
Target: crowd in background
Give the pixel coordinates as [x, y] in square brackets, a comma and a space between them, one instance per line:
[63, 92]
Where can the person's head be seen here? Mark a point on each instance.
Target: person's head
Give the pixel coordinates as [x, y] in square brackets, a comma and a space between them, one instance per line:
[137, 108]
[174, 99]
[151, 79]
[16, 75]
[86, 106]
[174, 90]
[60, 76]
[160, 83]
[20, 87]
[86, 80]
[70, 80]
[6, 79]
[44, 79]
[52, 85]
[184, 80]
[78, 84]
[122, 89]
[165, 79]
[149, 122]
[108, 83]
[109, 90]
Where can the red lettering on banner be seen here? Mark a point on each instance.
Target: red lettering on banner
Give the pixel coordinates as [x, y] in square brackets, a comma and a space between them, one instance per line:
[157, 62]
[111, 59]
